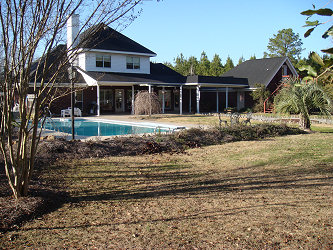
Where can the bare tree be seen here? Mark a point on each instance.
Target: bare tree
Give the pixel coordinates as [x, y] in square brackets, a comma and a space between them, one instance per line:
[32, 29]
[147, 103]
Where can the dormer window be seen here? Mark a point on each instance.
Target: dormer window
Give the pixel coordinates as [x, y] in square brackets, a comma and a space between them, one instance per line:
[103, 61]
[132, 62]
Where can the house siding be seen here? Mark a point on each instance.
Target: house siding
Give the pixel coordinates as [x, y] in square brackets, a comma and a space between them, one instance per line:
[87, 61]
[276, 81]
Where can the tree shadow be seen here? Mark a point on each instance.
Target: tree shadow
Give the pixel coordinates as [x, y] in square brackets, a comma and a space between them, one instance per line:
[194, 216]
[178, 183]
[166, 180]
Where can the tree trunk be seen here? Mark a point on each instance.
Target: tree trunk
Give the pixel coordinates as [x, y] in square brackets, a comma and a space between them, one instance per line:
[304, 122]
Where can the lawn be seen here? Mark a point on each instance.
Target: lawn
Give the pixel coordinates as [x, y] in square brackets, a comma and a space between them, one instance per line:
[213, 120]
[273, 193]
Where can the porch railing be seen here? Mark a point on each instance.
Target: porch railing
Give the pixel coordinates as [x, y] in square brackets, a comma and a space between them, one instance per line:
[270, 109]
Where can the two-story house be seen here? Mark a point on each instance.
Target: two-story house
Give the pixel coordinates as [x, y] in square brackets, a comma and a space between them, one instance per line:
[112, 68]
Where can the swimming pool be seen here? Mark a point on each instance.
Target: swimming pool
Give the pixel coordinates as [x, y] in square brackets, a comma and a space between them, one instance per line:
[85, 127]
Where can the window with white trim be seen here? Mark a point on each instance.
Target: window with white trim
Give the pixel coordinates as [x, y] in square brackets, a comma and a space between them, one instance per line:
[132, 62]
[103, 61]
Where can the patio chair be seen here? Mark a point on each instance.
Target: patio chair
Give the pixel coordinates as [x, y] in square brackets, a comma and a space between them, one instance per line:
[65, 112]
[68, 112]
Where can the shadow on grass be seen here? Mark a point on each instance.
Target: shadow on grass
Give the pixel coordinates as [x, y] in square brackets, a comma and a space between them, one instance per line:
[178, 183]
[139, 183]
[204, 188]
[195, 216]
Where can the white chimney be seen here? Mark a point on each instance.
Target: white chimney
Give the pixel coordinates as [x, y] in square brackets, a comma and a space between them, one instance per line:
[73, 28]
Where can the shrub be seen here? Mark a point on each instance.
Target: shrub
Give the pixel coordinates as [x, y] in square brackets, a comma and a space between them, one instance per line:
[259, 95]
[146, 103]
[196, 137]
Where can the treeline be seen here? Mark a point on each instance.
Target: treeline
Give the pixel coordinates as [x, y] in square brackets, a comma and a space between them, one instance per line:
[203, 66]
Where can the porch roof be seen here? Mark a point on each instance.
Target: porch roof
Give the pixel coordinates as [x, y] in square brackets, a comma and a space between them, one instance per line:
[159, 75]
[215, 81]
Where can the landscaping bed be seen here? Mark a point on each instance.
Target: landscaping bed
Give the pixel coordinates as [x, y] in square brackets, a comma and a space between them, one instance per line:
[46, 195]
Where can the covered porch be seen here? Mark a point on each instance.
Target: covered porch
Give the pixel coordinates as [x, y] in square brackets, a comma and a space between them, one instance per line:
[115, 92]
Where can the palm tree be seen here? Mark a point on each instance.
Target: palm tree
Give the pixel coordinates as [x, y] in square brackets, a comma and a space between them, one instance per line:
[301, 98]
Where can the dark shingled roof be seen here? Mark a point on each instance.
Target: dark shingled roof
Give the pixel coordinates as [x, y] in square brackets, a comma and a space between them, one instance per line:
[159, 74]
[58, 55]
[103, 37]
[257, 71]
[216, 79]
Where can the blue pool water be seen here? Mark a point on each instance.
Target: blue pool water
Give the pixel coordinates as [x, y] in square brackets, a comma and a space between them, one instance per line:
[97, 128]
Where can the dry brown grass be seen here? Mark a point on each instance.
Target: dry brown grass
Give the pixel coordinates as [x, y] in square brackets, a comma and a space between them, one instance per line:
[274, 193]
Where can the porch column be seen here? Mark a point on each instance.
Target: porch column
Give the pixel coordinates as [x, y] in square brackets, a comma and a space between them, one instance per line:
[240, 100]
[149, 88]
[163, 100]
[190, 101]
[98, 102]
[181, 99]
[132, 112]
[217, 100]
[226, 97]
[198, 99]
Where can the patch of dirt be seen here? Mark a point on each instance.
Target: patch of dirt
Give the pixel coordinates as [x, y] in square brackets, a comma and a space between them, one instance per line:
[42, 199]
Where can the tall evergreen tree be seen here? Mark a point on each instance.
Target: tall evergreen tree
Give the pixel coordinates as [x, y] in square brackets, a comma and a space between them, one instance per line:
[253, 57]
[216, 67]
[241, 60]
[193, 65]
[285, 43]
[204, 65]
[181, 64]
[228, 65]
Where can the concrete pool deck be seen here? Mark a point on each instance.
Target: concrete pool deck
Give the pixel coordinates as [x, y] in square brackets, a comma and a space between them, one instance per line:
[136, 119]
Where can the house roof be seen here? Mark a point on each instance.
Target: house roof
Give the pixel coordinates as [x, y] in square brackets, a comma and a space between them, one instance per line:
[159, 74]
[210, 81]
[259, 70]
[58, 55]
[102, 37]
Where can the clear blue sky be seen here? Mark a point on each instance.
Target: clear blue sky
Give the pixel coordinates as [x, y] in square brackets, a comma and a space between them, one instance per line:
[235, 28]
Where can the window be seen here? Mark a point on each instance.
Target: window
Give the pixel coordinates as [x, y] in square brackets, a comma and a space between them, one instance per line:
[167, 98]
[132, 62]
[79, 99]
[103, 61]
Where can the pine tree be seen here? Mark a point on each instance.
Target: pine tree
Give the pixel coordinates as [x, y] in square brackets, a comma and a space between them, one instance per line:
[216, 67]
[241, 60]
[204, 65]
[192, 65]
[285, 43]
[228, 65]
[181, 64]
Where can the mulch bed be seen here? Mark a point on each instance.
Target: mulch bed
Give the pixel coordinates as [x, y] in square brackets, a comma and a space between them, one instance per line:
[44, 196]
